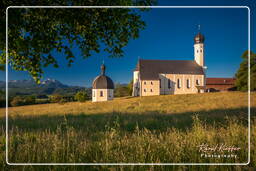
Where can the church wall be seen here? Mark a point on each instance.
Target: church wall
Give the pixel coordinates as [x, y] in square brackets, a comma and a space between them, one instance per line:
[150, 87]
[182, 88]
[107, 94]
[136, 84]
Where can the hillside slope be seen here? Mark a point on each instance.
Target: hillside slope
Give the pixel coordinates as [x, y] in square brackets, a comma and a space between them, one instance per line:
[168, 104]
[159, 129]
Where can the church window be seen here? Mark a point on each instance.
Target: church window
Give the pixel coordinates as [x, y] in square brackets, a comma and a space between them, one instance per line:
[144, 90]
[201, 50]
[151, 90]
[144, 82]
[93, 93]
[151, 83]
[197, 51]
[169, 83]
[178, 83]
[197, 82]
[101, 93]
[188, 83]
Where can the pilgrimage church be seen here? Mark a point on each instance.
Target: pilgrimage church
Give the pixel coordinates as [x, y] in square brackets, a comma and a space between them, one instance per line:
[159, 77]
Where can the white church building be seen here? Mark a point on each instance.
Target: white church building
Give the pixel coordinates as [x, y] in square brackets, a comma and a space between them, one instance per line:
[160, 77]
[102, 87]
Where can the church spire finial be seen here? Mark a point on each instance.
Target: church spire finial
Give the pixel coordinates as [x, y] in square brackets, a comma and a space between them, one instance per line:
[103, 68]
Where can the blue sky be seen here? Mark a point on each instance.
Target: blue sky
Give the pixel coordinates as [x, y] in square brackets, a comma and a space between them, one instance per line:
[168, 35]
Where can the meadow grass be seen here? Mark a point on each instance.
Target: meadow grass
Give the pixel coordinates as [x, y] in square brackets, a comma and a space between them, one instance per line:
[159, 129]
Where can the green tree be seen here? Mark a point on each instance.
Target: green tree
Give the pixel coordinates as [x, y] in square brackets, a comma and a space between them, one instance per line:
[121, 90]
[81, 96]
[130, 87]
[242, 73]
[34, 33]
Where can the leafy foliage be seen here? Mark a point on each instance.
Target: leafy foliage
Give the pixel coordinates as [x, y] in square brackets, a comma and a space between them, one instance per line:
[20, 101]
[81, 96]
[242, 73]
[130, 87]
[56, 98]
[121, 90]
[34, 33]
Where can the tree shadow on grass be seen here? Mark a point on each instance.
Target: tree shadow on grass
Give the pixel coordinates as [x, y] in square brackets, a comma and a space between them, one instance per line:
[153, 121]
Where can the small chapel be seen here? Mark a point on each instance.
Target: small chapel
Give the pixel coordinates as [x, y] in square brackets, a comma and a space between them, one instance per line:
[160, 77]
[102, 87]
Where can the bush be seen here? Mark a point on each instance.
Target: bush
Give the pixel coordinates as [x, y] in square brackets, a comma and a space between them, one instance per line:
[29, 100]
[81, 96]
[2, 99]
[56, 98]
[2, 102]
[20, 101]
[17, 101]
[121, 91]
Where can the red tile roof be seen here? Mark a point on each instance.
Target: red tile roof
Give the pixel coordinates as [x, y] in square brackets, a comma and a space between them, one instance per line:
[220, 81]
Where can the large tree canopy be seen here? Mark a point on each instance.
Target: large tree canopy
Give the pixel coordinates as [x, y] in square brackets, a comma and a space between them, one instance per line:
[36, 32]
[242, 73]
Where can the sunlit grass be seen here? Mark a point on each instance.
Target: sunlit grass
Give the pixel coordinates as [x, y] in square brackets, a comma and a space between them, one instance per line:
[159, 129]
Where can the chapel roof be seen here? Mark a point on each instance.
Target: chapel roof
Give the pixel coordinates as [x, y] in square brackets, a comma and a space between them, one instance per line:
[150, 69]
[102, 81]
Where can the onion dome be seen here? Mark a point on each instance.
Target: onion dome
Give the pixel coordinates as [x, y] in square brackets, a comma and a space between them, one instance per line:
[102, 81]
[199, 38]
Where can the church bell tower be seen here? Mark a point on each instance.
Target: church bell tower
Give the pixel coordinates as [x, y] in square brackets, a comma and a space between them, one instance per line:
[199, 49]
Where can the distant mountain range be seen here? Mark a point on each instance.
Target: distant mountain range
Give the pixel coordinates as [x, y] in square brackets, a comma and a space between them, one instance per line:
[47, 87]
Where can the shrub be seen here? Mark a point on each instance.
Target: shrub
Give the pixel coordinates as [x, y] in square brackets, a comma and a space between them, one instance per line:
[81, 96]
[20, 101]
[56, 98]
[29, 100]
[17, 101]
[121, 91]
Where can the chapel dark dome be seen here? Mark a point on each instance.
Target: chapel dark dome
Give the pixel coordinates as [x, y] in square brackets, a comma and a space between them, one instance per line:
[199, 38]
[102, 81]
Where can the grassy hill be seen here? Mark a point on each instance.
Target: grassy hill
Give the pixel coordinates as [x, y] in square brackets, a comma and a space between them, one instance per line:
[156, 129]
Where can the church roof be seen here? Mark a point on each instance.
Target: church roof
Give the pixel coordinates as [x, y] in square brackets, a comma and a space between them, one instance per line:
[199, 38]
[102, 81]
[220, 81]
[150, 69]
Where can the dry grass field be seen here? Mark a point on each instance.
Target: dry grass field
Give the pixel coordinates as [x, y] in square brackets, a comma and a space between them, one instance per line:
[157, 129]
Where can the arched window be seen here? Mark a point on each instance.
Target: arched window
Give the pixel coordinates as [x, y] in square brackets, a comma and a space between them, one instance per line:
[188, 83]
[93, 93]
[178, 83]
[197, 82]
[144, 90]
[101, 93]
[169, 83]
[151, 83]
[151, 90]
[144, 82]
